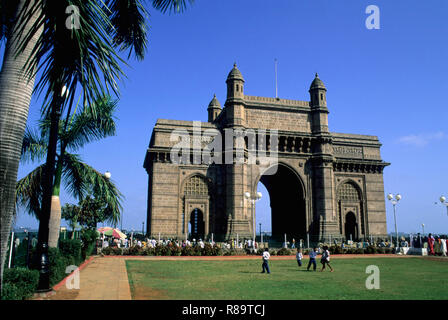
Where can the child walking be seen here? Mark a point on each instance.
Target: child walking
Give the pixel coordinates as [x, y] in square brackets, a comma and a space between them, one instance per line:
[313, 255]
[299, 257]
[325, 260]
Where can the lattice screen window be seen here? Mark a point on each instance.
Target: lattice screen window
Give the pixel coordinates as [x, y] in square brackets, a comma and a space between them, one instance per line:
[348, 192]
[196, 185]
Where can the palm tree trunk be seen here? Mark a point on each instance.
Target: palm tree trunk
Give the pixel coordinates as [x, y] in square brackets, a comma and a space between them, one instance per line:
[54, 224]
[15, 96]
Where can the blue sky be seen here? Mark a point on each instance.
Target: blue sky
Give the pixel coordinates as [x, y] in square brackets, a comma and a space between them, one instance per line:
[390, 82]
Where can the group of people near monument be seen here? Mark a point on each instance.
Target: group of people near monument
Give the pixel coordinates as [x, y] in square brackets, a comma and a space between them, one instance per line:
[324, 259]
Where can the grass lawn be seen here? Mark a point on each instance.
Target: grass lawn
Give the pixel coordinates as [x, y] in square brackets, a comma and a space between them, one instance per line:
[400, 278]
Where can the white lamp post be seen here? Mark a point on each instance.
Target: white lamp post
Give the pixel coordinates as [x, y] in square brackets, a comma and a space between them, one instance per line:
[444, 202]
[394, 201]
[423, 228]
[252, 200]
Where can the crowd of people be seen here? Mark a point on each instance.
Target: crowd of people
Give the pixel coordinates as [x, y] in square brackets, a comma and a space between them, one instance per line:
[436, 245]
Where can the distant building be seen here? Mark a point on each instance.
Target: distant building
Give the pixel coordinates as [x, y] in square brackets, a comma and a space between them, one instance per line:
[325, 183]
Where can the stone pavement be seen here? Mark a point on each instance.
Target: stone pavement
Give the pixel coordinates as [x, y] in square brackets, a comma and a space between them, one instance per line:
[101, 279]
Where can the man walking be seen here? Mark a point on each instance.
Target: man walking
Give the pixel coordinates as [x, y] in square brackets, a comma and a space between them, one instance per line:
[265, 264]
[313, 255]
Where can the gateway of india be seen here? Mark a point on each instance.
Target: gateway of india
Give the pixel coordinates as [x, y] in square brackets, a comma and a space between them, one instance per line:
[326, 185]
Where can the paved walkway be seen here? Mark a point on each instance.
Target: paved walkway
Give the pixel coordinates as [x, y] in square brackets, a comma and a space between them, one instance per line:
[101, 279]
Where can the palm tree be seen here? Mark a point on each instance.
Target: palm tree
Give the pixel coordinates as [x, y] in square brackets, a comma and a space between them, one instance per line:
[79, 178]
[37, 40]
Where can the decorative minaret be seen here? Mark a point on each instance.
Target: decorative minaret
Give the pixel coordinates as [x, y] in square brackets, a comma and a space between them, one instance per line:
[322, 162]
[214, 109]
[319, 110]
[235, 98]
[238, 209]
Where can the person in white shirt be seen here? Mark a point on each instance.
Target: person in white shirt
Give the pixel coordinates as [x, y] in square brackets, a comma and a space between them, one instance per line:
[443, 245]
[325, 260]
[265, 264]
[313, 255]
[299, 257]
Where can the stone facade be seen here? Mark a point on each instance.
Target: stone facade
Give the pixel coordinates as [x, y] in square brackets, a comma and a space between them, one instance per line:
[322, 183]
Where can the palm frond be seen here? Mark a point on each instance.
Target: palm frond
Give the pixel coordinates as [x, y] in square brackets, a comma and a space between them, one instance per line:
[34, 146]
[73, 175]
[129, 30]
[91, 125]
[8, 9]
[29, 192]
[81, 179]
[71, 56]
[175, 6]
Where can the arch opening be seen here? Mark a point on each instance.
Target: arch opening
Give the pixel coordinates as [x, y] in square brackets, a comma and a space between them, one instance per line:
[351, 227]
[287, 204]
[196, 225]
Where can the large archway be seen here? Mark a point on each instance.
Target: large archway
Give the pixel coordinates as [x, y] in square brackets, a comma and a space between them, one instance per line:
[287, 202]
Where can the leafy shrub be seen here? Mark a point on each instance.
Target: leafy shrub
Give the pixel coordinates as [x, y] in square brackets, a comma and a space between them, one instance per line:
[106, 251]
[134, 251]
[234, 252]
[335, 250]
[71, 249]
[19, 283]
[370, 250]
[284, 252]
[389, 250]
[381, 250]
[187, 251]
[88, 237]
[359, 251]
[217, 251]
[176, 251]
[58, 264]
[207, 250]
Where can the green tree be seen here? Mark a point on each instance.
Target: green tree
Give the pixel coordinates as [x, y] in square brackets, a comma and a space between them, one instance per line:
[80, 179]
[37, 39]
[70, 213]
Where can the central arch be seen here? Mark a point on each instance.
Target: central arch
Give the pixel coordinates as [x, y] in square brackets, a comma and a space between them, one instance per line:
[287, 202]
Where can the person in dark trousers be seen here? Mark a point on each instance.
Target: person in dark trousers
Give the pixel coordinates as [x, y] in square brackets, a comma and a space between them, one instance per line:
[325, 260]
[313, 255]
[265, 264]
[299, 257]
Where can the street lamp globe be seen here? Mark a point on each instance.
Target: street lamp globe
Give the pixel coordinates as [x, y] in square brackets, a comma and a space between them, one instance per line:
[398, 197]
[390, 196]
[442, 199]
[247, 195]
[107, 174]
[259, 195]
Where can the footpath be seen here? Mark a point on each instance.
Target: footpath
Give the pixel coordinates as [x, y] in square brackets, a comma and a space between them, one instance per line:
[101, 279]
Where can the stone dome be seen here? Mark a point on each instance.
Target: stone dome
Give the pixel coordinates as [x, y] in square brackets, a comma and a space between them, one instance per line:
[214, 103]
[317, 83]
[235, 74]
